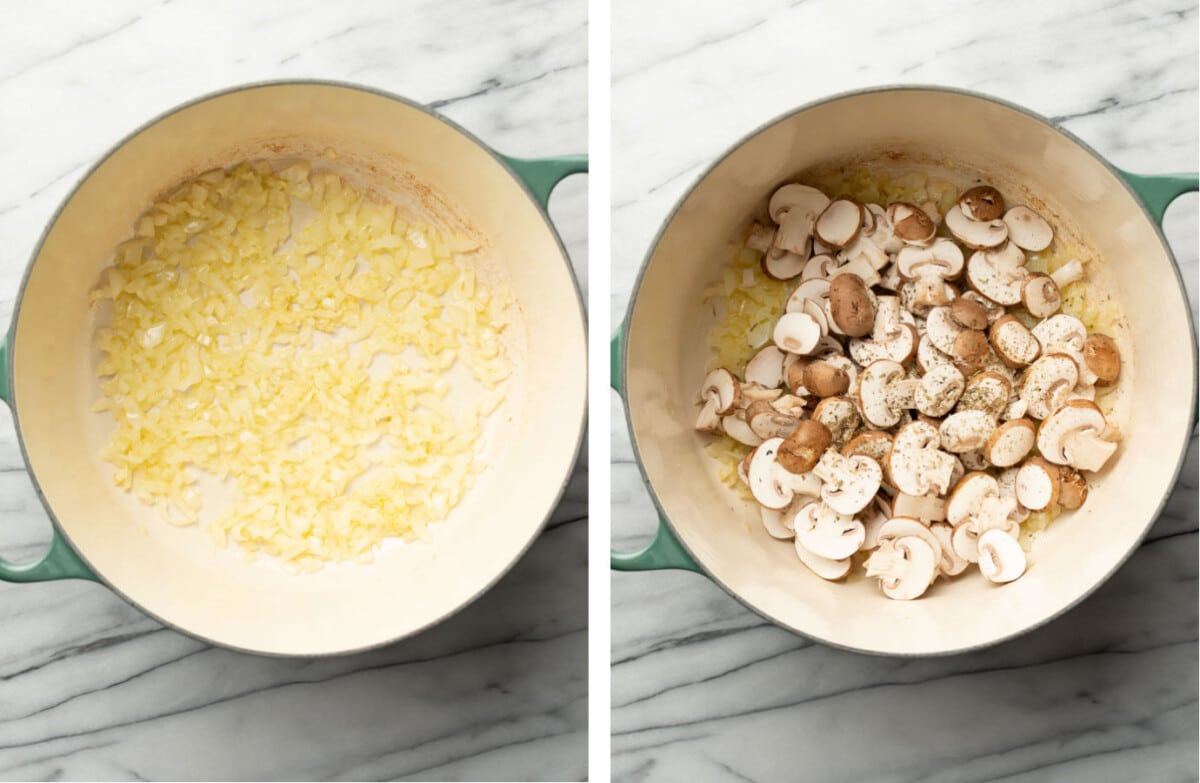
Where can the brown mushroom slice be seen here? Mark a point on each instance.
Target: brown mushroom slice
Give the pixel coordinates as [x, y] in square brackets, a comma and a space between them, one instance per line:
[1027, 229]
[826, 533]
[915, 465]
[998, 274]
[1001, 558]
[966, 431]
[767, 423]
[905, 567]
[824, 379]
[1071, 436]
[978, 234]
[736, 427]
[780, 264]
[870, 443]
[1047, 384]
[940, 389]
[795, 208]
[1010, 443]
[1072, 488]
[760, 237]
[840, 223]
[765, 368]
[1102, 358]
[987, 391]
[911, 224]
[841, 417]
[797, 333]
[801, 450]
[849, 483]
[721, 393]
[982, 202]
[926, 508]
[1041, 296]
[1037, 484]
[952, 564]
[1014, 343]
[971, 350]
[968, 313]
[814, 289]
[929, 268]
[851, 305]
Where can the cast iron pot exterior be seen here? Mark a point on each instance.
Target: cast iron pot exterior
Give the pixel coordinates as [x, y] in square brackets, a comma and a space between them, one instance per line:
[659, 356]
[179, 578]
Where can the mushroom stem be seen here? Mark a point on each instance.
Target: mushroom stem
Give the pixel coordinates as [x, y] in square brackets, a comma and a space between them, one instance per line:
[1067, 273]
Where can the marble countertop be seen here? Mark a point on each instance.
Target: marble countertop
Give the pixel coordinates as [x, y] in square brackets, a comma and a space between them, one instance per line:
[91, 688]
[703, 689]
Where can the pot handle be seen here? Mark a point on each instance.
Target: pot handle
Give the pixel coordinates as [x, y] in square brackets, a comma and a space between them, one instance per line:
[665, 551]
[1157, 191]
[540, 175]
[60, 560]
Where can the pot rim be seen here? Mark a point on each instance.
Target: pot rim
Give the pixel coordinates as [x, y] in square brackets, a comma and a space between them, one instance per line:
[10, 342]
[955, 92]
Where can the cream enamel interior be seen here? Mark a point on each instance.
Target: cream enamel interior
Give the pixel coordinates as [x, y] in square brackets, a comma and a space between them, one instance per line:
[666, 352]
[177, 575]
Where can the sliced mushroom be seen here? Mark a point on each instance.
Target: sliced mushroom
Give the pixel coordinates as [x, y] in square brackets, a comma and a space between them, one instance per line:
[1027, 229]
[1007, 481]
[926, 508]
[972, 459]
[720, 393]
[849, 482]
[1068, 273]
[818, 314]
[900, 347]
[1047, 384]
[821, 266]
[1001, 558]
[998, 274]
[736, 427]
[978, 234]
[1072, 488]
[777, 522]
[1059, 332]
[1037, 484]
[826, 533]
[982, 202]
[760, 237]
[1071, 436]
[883, 233]
[767, 423]
[911, 224]
[795, 208]
[968, 313]
[800, 451]
[841, 417]
[966, 430]
[863, 251]
[987, 391]
[929, 268]
[907, 527]
[878, 402]
[1041, 296]
[829, 570]
[797, 333]
[766, 368]
[929, 357]
[824, 379]
[789, 405]
[851, 305]
[1014, 343]
[1102, 358]
[753, 392]
[840, 223]
[871, 443]
[915, 465]
[780, 264]
[1010, 443]
[940, 389]
[994, 311]
[873, 518]
[905, 567]
[764, 476]
[952, 564]
[814, 289]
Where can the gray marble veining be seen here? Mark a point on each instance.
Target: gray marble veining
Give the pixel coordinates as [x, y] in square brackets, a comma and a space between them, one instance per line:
[90, 687]
[703, 689]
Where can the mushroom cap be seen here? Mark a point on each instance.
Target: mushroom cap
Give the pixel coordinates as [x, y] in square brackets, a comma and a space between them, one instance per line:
[941, 388]
[851, 305]
[971, 349]
[943, 259]
[826, 533]
[766, 368]
[978, 234]
[793, 375]
[1041, 296]
[987, 391]
[815, 289]
[1102, 357]
[968, 313]
[825, 379]
[1014, 343]
[926, 508]
[1072, 488]
[951, 564]
[800, 451]
[1071, 436]
[1001, 558]
[1047, 384]
[1010, 443]
[797, 333]
[849, 482]
[1027, 229]
[982, 202]
[905, 567]
[1037, 484]
[763, 476]
[736, 427]
[871, 443]
[829, 570]
[873, 386]
[968, 496]
[998, 274]
[966, 431]
[723, 386]
[779, 264]
[840, 222]
[910, 223]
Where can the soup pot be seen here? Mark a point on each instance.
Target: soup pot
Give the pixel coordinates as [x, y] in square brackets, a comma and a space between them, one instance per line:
[177, 575]
[659, 360]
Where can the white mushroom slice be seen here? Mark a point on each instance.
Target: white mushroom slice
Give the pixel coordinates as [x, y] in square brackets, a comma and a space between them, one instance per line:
[849, 482]
[871, 443]
[972, 459]
[1010, 443]
[1059, 331]
[911, 224]
[736, 427]
[968, 496]
[906, 527]
[998, 274]
[1041, 296]
[1068, 273]
[982, 202]
[765, 477]
[766, 368]
[1017, 408]
[960, 470]
[766, 422]
[940, 389]
[777, 522]
[780, 264]
[828, 534]
[840, 415]
[1001, 559]
[890, 338]
[1047, 384]
[873, 518]
[861, 268]
[753, 392]
[978, 234]
[1037, 484]
[815, 289]
[818, 314]
[986, 391]
[1071, 436]
[795, 208]
[994, 514]
[822, 266]
[942, 330]
[883, 235]
[929, 267]
[819, 248]
[1027, 229]
[966, 430]
[874, 400]
[929, 357]
[1014, 343]
[840, 223]
[721, 393]
[864, 250]
[905, 568]
[890, 278]
[802, 486]
[887, 318]
[760, 237]
[1007, 481]
[797, 333]
[951, 564]
[926, 508]
[915, 465]
[830, 570]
